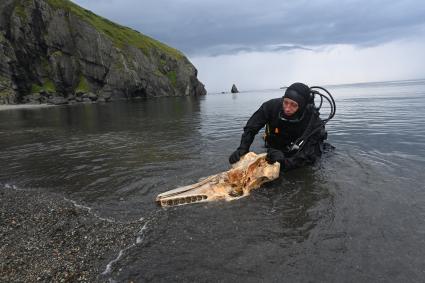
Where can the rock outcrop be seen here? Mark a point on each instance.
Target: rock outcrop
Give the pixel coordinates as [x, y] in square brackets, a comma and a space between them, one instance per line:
[234, 89]
[54, 48]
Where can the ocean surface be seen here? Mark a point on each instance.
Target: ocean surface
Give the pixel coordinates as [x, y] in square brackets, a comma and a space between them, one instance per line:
[358, 215]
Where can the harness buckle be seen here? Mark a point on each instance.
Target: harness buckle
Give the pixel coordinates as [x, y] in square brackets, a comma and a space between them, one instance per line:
[295, 146]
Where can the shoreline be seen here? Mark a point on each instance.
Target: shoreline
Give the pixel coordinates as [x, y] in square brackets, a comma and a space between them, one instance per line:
[46, 237]
[4, 107]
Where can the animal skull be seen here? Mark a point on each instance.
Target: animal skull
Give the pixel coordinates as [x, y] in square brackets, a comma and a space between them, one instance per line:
[249, 173]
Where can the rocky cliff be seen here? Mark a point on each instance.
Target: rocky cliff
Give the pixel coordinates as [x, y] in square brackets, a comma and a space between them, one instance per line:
[54, 50]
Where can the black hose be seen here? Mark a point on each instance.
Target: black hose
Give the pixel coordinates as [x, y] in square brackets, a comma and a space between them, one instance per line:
[301, 140]
[328, 97]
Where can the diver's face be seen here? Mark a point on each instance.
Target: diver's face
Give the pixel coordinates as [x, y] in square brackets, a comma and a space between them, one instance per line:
[290, 107]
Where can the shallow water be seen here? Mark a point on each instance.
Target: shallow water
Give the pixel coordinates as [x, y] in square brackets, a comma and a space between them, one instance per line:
[358, 215]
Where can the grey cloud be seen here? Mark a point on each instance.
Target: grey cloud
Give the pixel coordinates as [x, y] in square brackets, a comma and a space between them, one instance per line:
[232, 49]
[207, 27]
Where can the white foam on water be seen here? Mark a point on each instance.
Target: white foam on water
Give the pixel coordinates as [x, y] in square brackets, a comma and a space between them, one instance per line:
[109, 265]
[78, 205]
[11, 187]
[89, 210]
[141, 235]
[139, 240]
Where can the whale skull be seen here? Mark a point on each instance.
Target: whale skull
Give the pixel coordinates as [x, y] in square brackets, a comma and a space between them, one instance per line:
[249, 173]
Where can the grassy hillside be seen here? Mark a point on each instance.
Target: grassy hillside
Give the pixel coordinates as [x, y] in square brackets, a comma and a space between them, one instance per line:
[120, 35]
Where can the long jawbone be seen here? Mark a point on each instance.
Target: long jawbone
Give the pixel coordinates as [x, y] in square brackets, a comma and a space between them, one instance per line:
[247, 174]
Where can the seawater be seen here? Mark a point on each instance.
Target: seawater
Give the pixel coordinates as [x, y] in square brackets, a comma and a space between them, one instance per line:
[357, 215]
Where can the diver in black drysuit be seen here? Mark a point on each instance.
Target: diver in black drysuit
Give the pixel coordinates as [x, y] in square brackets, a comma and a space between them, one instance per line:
[304, 128]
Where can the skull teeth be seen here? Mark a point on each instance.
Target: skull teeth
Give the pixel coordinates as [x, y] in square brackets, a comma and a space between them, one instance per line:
[183, 200]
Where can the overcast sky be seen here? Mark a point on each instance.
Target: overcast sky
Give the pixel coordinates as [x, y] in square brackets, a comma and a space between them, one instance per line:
[266, 44]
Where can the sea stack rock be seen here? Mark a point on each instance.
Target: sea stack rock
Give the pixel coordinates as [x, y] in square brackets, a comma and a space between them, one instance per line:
[55, 48]
[234, 89]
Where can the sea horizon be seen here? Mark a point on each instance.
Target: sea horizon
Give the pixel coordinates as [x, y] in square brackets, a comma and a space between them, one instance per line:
[341, 85]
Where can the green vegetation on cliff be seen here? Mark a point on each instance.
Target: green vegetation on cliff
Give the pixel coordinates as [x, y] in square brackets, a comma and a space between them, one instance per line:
[119, 35]
[5, 89]
[48, 86]
[4, 94]
[172, 76]
[83, 85]
[20, 9]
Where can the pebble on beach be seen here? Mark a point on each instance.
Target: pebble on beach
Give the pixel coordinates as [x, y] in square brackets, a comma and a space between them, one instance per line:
[44, 237]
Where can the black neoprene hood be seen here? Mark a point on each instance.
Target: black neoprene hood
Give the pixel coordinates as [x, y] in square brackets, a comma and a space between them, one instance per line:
[298, 92]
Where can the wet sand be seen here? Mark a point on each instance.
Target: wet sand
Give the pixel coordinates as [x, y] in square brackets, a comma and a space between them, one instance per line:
[45, 237]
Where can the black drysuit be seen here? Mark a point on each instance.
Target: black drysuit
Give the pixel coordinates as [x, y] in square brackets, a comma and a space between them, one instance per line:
[281, 134]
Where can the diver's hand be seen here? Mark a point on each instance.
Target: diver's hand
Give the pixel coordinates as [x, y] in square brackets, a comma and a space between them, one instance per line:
[237, 154]
[274, 155]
